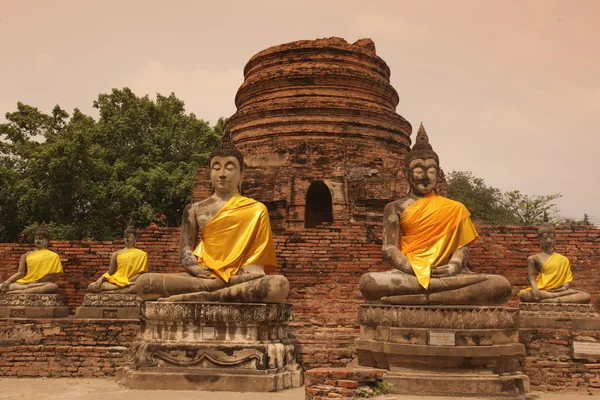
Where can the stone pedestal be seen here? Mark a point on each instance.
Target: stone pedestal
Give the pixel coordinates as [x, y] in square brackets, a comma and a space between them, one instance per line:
[32, 306]
[557, 315]
[110, 305]
[213, 346]
[444, 350]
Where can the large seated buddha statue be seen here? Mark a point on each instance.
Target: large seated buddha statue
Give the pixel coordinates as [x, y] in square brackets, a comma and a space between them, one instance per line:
[226, 245]
[126, 266]
[425, 239]
[37, 269]
[550, 274]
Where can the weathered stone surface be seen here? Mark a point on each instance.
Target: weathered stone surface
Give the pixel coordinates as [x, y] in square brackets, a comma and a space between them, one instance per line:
[32, 306]
[213, 346]
[191, 322]
[110, 305]
[443, 317]
[556, 315]
[480, 352]
[111, 300]
[559, 309]
[31, 300]
[232, 313]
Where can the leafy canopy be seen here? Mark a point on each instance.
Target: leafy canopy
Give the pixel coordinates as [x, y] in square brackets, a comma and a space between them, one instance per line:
[488, 205]
[86, 178]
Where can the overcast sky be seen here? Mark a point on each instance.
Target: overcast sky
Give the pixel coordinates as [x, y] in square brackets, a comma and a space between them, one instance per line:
[509, 90]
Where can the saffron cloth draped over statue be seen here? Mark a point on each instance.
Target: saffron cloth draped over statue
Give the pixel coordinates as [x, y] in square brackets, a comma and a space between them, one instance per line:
[238, 235]
[130, 262]
[41, 263]
[555, 272]
[433, 227]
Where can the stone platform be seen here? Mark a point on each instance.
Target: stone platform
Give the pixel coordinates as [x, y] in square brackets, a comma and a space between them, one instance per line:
[213, 346]
[110, 305]
[32, 306]
[556, 315]
[444, 350]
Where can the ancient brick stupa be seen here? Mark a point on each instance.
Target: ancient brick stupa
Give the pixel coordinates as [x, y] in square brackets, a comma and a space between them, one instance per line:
[324, 147]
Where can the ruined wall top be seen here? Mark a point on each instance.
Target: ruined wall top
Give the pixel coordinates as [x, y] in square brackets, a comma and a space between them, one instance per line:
[312, 88]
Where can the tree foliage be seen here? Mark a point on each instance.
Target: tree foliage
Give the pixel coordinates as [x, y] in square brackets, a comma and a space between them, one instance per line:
[489, 205]
[484, 202]
[529, 210]
[86, 178]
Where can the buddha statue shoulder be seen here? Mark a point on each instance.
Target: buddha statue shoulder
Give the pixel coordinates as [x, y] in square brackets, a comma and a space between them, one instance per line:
[126, 266]
[549, 273]
[226, 244]
[37, 269]
[426, 238]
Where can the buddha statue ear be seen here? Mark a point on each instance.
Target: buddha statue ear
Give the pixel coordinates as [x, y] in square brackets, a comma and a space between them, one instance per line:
[407, 177]
[242, 169]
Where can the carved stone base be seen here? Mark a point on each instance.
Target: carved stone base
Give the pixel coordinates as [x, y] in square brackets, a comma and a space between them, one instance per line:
[110, 305]
[211, 379]
[556, 315]
[32, 306]
[514, 386]
[213, 346]
[444, 350]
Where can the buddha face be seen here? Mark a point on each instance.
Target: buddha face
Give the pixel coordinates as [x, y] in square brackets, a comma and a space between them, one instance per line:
[546, 240]
[225, 175]
[129, 239]
[41, 242]
[423, 175]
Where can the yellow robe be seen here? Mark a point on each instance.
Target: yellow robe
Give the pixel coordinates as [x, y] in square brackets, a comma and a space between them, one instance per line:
[433, 228]
[555, 272]
[41, 263]
[240, 234]
[130, 262]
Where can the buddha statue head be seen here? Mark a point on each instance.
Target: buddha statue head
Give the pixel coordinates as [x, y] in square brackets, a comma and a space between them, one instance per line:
[226, 164]
[546, 234]
[130, 235]
[41, 237]
[422, 165]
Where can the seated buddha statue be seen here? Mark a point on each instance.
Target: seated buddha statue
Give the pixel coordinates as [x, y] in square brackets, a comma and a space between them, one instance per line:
[37, 269]
[126, 266]
[425, 239]
[226, 244]
[549, 274]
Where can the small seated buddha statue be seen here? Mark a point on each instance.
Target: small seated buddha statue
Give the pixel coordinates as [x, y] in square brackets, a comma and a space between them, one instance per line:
[425, 239]
[550, 274]
[126, 266]
[226, 244]
[37, 269]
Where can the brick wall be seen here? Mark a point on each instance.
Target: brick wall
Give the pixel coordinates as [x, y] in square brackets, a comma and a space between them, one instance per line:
[324, 266]
[549, 363]
[64, 347]
[84, 261]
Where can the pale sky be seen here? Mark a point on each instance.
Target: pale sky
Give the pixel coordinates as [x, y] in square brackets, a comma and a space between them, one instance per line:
[509, 90]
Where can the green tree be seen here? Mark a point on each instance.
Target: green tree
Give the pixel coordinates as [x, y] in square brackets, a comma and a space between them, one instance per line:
[484, 202]
[529, 210]
[489, 205]
[87, 177]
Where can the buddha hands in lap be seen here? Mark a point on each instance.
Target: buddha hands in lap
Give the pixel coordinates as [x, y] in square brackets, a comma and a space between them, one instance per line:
[425, 238]
[226, 245]
[126, 266]
[37, 269]
[550, 275]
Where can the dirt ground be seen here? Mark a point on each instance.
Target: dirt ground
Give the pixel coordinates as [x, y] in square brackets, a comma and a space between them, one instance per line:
[108, 389]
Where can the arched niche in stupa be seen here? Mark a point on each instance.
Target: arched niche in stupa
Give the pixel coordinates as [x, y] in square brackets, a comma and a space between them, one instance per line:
[319, 205]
